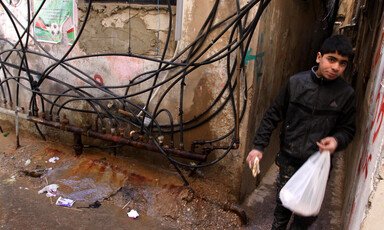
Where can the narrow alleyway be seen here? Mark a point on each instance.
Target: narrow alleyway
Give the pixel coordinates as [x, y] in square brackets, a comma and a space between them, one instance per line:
[123, 183]
[261, 203]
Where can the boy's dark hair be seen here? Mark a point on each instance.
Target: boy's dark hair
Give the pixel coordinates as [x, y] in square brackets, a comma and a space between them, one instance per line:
[339, 44]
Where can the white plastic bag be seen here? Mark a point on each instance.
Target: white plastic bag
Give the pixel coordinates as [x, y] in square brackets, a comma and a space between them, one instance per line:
[304, 191]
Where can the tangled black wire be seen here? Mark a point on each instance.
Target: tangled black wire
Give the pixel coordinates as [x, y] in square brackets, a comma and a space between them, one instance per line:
[19, 72]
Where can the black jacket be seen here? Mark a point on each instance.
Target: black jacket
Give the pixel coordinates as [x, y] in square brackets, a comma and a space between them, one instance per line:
[311, 108]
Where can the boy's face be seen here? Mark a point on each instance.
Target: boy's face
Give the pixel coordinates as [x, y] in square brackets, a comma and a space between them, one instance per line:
[331, 65]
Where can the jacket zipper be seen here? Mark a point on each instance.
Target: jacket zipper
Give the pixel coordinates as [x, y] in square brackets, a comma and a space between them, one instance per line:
[313, 110]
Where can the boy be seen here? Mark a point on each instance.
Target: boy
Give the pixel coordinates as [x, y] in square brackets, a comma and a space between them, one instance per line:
[317, 108]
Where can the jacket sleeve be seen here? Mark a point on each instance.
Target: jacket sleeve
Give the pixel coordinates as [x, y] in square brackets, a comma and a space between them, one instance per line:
[345, 128]
[275, 113]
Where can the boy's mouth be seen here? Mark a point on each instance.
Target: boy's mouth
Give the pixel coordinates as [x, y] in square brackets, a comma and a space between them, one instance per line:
[332, 75]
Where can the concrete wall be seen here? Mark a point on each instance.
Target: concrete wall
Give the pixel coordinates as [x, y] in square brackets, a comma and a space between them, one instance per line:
[113, 28]
[106, 31]
[365, 157]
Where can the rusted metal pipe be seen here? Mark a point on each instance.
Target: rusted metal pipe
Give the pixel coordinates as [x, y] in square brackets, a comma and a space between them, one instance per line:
[117, 139]
[209, 148]
[238, 210]
[77, 144]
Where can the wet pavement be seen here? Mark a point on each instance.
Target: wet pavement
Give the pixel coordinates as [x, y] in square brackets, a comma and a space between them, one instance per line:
[122, 183]
[261, 203]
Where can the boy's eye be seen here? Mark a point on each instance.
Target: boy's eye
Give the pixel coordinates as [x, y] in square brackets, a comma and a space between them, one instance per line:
[343, 63]
[331, 59]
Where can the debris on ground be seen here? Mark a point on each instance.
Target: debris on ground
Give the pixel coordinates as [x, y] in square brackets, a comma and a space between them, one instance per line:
[95, 204]
[27, 162]
[6, 134]
[122, 182]
[126, 205]
[53, 159]
[34, 173]
[133, 214]
[51, 190]
[65, 202]
[10, 180]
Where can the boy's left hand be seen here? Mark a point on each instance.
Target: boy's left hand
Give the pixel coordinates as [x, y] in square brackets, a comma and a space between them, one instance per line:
[328, 143]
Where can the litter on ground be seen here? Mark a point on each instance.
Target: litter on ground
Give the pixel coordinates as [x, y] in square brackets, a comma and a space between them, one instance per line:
[51, 190]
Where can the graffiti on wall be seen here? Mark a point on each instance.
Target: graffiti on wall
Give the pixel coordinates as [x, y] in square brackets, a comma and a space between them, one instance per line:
[99, 79]
[259, 58]
[249, 56]
[375, 126]
[373, 138]
[379, 113]
[365, 158]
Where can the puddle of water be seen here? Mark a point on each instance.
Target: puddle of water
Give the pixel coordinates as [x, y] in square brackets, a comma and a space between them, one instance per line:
[87, 179]
[84, 189]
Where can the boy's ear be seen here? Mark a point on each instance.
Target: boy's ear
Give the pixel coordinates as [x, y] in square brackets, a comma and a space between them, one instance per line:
[318, 57]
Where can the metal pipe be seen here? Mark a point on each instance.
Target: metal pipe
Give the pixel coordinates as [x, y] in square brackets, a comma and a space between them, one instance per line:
[179, 20]
[77, 144]
[117, 139]
[12, 113]
[238, 210]
[238, 68]
[359, 7]
[18, 109]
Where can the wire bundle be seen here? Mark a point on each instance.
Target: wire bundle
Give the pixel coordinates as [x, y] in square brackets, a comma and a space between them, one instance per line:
[17, 68]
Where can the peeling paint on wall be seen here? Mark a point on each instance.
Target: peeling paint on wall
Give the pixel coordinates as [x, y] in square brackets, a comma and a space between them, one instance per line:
[122, 28]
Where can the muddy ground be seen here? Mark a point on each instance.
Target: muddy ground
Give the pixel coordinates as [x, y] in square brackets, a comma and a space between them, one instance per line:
[121, 183]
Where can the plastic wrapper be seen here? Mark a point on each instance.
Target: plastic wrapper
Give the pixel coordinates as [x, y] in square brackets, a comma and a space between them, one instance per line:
[51, 190]
[65, 202]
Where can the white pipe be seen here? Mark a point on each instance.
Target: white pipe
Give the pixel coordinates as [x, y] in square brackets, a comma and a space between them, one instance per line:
[18, 109]
[12, 113]
[179, 19]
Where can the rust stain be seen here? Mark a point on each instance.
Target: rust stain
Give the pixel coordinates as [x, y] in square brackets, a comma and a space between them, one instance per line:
[136, 178]
[103, 167]
[107, 171]
[91, 164]
[79, 167]
[52, 151]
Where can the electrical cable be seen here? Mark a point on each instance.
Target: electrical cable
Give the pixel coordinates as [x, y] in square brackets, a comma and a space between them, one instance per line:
[196, 55]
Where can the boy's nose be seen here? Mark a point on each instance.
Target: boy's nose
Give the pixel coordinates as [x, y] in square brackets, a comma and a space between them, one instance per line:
[336, 67]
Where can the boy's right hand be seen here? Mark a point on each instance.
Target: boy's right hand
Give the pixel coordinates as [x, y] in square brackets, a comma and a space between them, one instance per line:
[252, 155]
